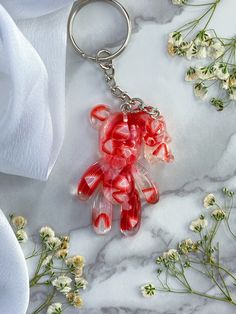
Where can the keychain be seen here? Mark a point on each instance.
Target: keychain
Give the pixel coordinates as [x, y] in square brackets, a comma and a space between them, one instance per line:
[128, 137]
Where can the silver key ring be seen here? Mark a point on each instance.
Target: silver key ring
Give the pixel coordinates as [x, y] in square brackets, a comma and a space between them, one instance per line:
[78, 5]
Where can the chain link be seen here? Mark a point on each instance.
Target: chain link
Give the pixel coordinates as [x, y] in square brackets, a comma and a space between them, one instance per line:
[128, 104]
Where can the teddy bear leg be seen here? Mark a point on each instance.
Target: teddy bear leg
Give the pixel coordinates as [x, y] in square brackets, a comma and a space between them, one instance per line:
[101, 214]
[130, 218]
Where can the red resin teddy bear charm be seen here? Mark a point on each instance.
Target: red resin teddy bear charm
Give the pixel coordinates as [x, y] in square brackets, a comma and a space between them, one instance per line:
[118, 177]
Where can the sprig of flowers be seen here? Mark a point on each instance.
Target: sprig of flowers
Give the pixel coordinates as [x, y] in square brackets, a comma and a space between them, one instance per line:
[194, 40]
[19, 223]
[199, 256]
[60, 274]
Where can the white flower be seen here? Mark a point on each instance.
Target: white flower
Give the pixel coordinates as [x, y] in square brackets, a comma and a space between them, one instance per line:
[148, 290]
[191, 74]
[191, 50]
[78, 272]
[225, 84]
[78, 301]
[198, 224]
[19, 222]
[62, 254]
[171, 255]
[74, 299]
[215, 50]
[221, 70]
[21, 236]
[200, 90]
[62, 283]
[46, 232]
[232, 80]
[47, 260]
[232, 93]
[209, 200]
[218, 214]
[80, 283]
[76, 261]
[175, 38]
[53, 243]
[186, 246]
[206, 73]
[179, 2]
[55, 308]
[218, 103]
[201, 52]
[203, 39]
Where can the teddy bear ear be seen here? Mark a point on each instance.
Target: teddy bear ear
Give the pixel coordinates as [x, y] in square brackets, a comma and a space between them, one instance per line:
[99, 114]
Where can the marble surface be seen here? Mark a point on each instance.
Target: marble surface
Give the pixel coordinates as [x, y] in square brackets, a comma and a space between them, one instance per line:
[204, 144]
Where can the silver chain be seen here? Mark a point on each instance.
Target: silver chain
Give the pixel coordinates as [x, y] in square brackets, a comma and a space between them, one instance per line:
[128, 104]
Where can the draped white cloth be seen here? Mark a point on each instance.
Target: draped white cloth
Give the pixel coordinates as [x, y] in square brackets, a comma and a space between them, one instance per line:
[32, 98]
[14, 282]
[32, 85]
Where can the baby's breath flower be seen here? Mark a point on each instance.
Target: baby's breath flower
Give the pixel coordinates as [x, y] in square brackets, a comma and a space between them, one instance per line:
[148, 290]
[62, 283]
[221, 70]
[159, 260]
[218, 103]
[21, 236]
[200, 90]
[203, 39]
[19, 222]
[191, 51]
[65, 242]
[227, 192]
[171, 48]
[191, 74]
[65, 238]
[216, 49]
[75, 262]
[232, 93]
[78, 301]
[232, 80]
[172, 255]
[47, 260]
[74, 299]
[53, 243]
[225, 84]
[206, 73]
[175, 38]
[198, 224]
[185, 49]
[80, 283]
[209, 200]
[55, 308]
[179, 2]
[70, 297]
[78, 272]
[62, 253]
[46, 232]
[218, 214]
[186, 246]
[201, 53]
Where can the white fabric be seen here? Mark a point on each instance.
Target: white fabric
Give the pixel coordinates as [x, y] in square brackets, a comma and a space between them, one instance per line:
[32, 85]
[14, 281]
[32, 92]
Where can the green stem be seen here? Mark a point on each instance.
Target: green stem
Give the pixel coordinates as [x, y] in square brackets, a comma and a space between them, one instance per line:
[36, 276]
[213, 8]
[213, 297]
[202, 294]
[225, 286]
[45, 303]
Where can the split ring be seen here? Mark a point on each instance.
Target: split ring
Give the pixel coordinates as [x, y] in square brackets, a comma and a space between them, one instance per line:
[74, 11]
